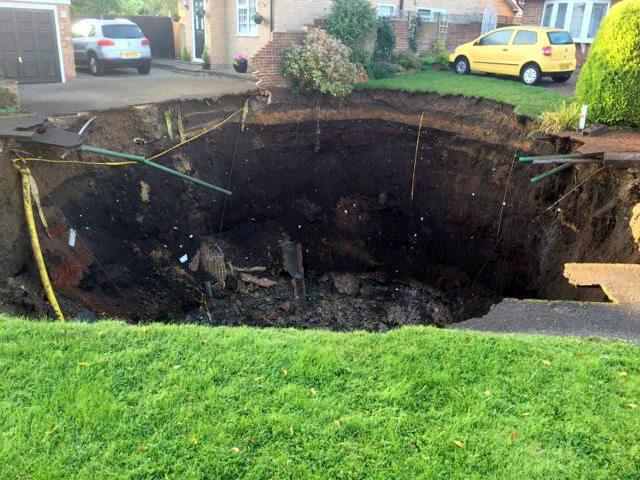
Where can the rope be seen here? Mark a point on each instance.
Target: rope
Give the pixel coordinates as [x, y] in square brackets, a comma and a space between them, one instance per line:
[415, 160]
[208, 130]
[25, 174]
[504, 198]
[233, 163]
[571, 191]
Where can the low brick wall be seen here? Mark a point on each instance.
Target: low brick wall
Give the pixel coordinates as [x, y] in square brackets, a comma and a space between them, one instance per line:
[268, 60]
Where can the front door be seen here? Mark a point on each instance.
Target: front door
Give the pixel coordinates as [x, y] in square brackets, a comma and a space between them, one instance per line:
[198, 27]
[28, 46]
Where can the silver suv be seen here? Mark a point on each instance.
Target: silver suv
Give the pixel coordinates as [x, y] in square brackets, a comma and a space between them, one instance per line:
[100, 44]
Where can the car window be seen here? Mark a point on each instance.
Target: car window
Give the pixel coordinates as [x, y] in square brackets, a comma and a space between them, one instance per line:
[92, 31]
[79, 30]
[560, 38]
[121, 31]
[526, 37]
[497, 38]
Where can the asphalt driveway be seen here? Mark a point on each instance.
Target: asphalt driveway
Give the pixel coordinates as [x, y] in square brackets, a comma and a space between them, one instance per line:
[121, 88]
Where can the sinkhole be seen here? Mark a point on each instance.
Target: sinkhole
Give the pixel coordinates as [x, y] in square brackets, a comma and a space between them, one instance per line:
[334, 222]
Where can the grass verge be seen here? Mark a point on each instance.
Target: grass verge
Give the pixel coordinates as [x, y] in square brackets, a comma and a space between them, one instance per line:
[111, 401]
[528, 101]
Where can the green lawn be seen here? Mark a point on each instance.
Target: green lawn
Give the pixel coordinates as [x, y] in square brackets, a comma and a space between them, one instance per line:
[529, 101]
[184, 402]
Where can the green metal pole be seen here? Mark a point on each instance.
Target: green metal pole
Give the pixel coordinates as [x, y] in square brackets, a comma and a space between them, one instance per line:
[144, 161]
[552, 172]
[549, 157]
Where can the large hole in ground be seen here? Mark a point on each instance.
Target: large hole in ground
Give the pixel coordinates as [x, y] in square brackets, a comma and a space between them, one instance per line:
[374, 258]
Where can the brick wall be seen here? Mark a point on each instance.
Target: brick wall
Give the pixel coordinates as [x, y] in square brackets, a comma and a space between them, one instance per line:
[533, 12]
[268, 60]
[66, 43]
[401, 29]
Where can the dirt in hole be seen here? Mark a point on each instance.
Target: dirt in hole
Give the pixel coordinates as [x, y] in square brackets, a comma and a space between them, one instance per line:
[373, 259]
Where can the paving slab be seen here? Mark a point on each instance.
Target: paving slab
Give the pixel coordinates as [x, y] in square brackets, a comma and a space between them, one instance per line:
[619, 319]
[558, 318]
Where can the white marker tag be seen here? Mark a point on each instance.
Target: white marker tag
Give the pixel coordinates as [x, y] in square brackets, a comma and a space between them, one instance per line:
[583, 116]
[72, 238]
[184, 259]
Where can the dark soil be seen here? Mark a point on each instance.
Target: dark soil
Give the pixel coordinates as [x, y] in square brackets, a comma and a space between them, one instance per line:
[336, 180]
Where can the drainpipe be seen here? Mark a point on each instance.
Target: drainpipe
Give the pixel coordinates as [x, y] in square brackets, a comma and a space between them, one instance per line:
[401, 5]
[272, 7]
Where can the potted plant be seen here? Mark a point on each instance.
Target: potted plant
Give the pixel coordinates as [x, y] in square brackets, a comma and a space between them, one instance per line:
[257, 18]
[199, 12]
[206, 61]
[175, 17]
[240, 63]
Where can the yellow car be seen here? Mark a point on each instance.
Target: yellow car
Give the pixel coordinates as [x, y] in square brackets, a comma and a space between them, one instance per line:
[526, 52]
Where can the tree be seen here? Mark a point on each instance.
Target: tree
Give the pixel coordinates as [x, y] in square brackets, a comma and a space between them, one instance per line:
[610, 80]
[124, 7]
[352, 22]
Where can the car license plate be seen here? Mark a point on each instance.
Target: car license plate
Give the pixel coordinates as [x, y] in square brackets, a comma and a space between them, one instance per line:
[130, 54]
[565, 66]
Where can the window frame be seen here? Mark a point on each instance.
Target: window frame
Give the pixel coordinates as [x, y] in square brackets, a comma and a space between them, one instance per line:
[254, 30]
[430, 17]
[568, 20]
[386, 5]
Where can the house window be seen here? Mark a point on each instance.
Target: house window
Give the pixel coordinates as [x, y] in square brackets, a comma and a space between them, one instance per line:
[581, 19]
[246, 10]
[561, 15]
[385, 10]
[431, 14]
[598, 12]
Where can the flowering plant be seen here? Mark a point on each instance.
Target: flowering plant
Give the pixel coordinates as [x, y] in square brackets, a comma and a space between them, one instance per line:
[240, 57]
[321, 64]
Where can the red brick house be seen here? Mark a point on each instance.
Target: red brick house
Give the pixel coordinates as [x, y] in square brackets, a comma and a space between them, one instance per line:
[581, 18]
[35, 41]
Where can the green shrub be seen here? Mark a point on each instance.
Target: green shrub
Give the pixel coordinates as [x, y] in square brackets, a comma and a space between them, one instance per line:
[438, 47]
[428, 61]
[409, 61]
[186, 56]
[8, 100]
[360, 56]
[351, 22]
[610, 80]
[565, 116]
[205, 56]
[380, 70]
[321, 64]
[385, 40]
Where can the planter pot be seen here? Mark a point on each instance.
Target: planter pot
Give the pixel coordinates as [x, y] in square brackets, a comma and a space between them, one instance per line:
[258, 19]
[240, 66]
[206, 66]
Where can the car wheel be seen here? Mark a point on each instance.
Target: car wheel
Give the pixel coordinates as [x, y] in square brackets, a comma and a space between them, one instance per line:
[531, 74]
[461, 66]
[95, 66]
[144, 69]
[562, 79]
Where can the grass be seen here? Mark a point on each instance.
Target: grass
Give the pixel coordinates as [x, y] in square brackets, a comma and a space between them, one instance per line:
[528, 101]
[109, 401]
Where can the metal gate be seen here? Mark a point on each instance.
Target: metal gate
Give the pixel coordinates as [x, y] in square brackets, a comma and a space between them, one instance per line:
[159, 31]
[29, 46]
[489, 19]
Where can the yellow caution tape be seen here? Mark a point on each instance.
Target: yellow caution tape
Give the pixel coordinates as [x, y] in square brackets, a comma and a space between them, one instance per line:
[35, 242]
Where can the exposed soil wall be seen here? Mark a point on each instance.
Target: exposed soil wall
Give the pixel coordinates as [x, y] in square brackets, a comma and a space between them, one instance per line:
[334, 178]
